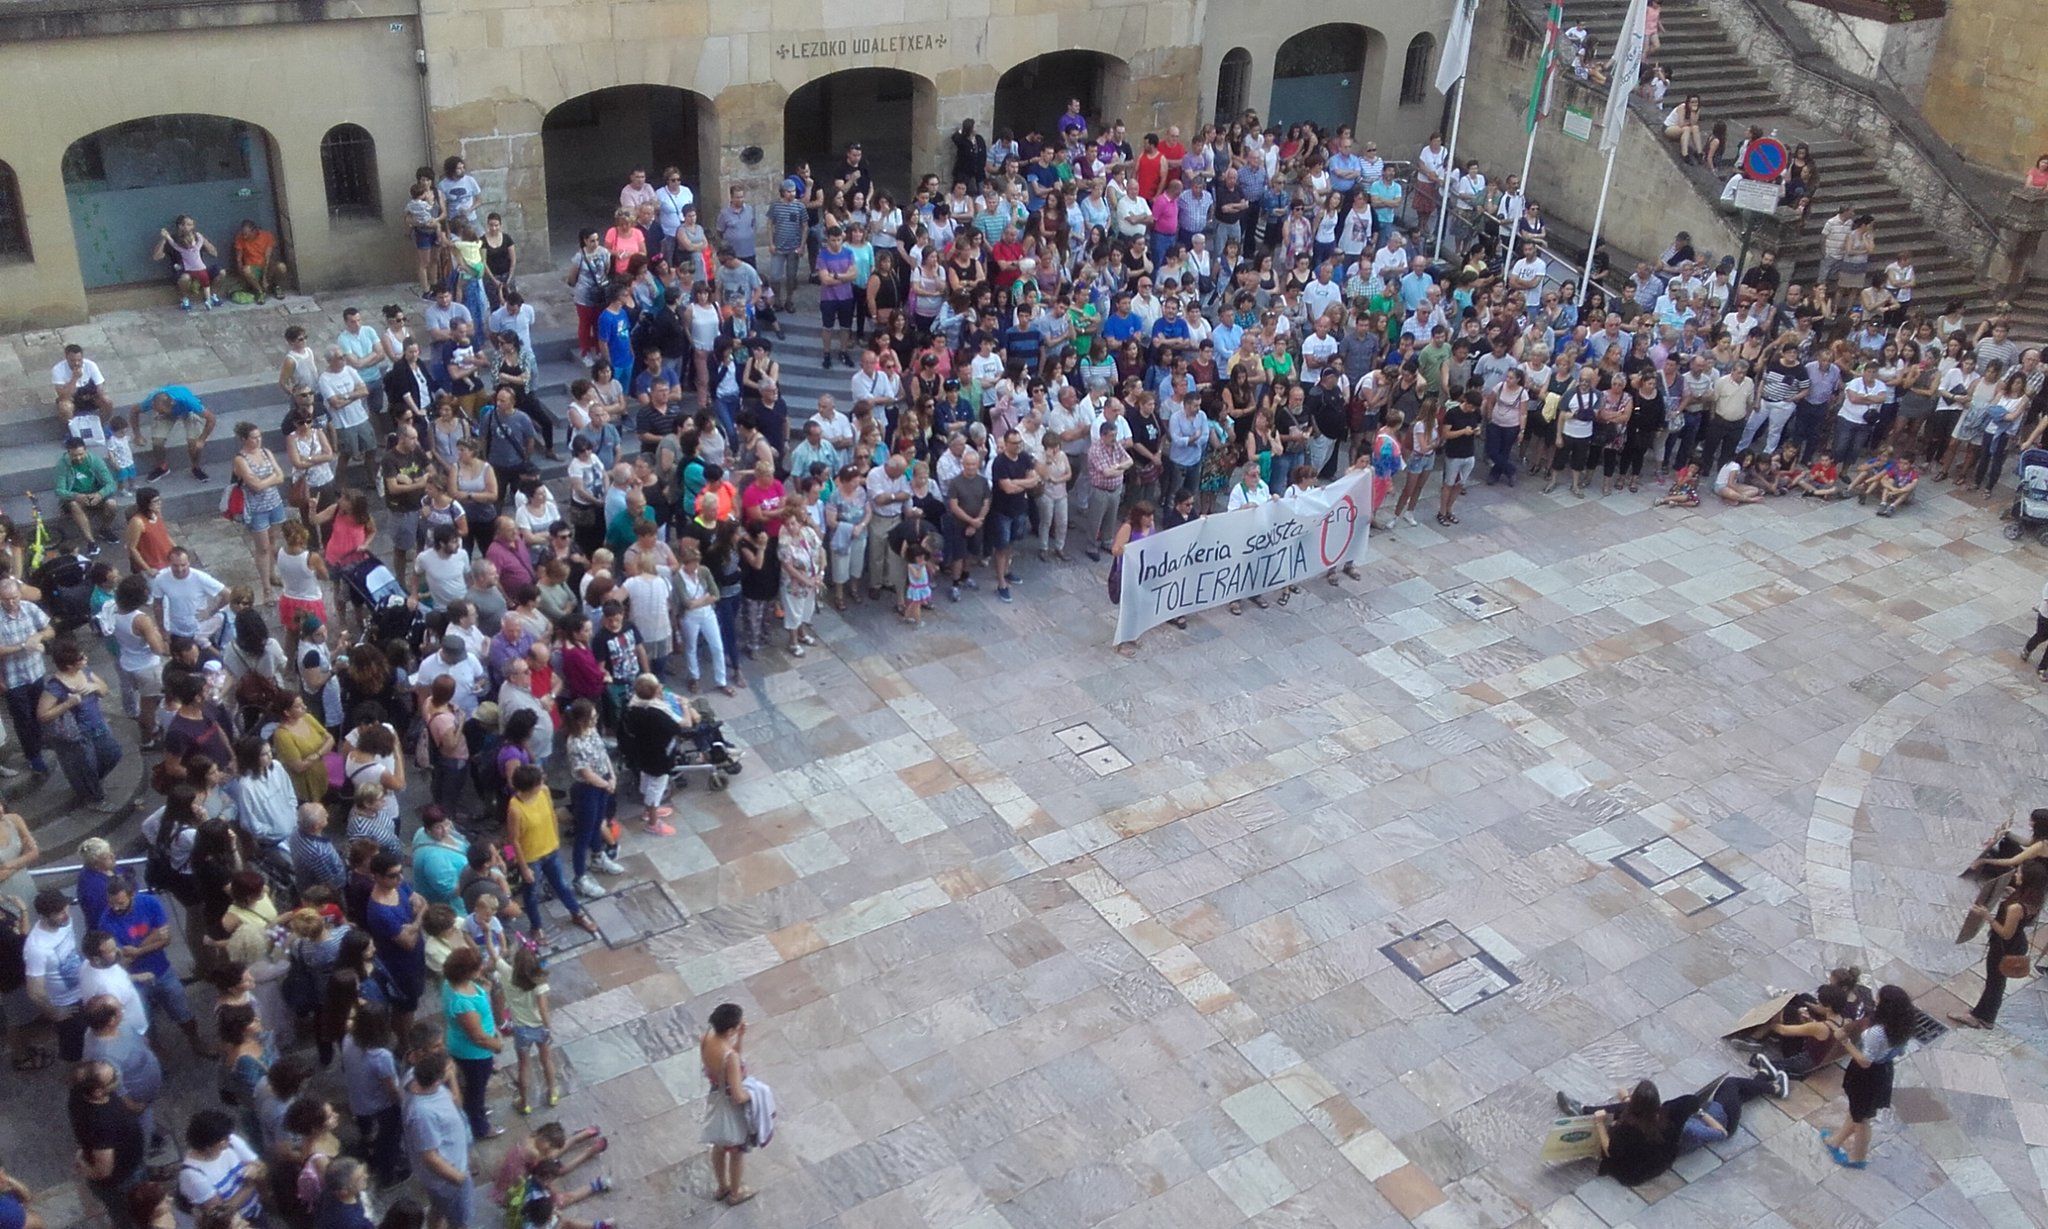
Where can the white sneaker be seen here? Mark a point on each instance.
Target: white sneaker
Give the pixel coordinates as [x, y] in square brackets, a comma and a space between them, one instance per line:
[1409, 517]
[588, 888]
[605, 864]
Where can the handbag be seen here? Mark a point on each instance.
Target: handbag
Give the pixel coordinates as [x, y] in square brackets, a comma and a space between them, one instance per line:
[233, 502]
[2014, 967]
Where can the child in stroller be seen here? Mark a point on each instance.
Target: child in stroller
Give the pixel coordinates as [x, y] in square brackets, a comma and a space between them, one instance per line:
[378, 601]
[2030, 505]
[664, 737]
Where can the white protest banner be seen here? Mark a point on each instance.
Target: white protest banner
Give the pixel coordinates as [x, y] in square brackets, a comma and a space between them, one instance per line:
[1229, 556]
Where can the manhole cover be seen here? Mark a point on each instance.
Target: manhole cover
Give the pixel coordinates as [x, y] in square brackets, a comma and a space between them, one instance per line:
[1477, 601]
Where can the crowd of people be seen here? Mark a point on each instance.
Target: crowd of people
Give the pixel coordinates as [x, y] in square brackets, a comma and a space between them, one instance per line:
[1071, 341]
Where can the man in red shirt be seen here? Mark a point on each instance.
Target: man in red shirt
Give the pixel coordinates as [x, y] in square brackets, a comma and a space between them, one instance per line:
[1151, 168]
[1171, 147]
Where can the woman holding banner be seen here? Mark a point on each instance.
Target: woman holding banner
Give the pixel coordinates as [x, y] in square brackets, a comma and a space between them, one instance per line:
[1138, 524]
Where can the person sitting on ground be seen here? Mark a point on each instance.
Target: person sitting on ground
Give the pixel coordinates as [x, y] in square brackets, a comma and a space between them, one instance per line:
[257, 263]
[1641, 1134]
[1895, 485]
[548, 1154]
[1822, 479]
[1869, 475]
[86, 490]
[1728, 484]
[1685, 489]
[1804, 1031]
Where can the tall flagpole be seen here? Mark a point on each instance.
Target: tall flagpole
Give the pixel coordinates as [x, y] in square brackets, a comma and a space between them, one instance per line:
[1443, 215]
[1628, 68]
[1539, 89]
[1450, 72]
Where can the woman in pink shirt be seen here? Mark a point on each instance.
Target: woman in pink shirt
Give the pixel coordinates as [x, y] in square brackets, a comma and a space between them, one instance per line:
[1165, 220]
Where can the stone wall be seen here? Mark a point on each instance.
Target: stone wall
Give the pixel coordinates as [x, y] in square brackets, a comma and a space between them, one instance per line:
[495, 68]
[1988, 92]
[278, 77]
[1260, 28]
[1942, 188]
[1898, 52]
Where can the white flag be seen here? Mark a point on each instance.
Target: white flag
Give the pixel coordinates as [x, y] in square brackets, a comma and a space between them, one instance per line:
[1450, 66]
[1628, 69]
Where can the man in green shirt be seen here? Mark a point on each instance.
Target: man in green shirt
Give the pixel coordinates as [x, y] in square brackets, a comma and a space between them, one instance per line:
[1086, 320]
[1430, 360]
[1386, 301]
[85, 489]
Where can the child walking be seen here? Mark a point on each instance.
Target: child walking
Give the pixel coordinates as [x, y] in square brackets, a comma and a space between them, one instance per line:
[526, 1005]
[917, 582]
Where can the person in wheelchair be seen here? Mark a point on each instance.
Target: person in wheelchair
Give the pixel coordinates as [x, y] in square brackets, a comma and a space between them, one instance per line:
[663, 736]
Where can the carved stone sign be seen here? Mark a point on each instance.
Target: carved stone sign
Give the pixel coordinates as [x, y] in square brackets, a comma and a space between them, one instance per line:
[861, 46]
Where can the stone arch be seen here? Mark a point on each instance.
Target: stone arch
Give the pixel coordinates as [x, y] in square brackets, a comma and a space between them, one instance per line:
[891, 113]
[1324, 74]
[1034, 95]
[591, 142]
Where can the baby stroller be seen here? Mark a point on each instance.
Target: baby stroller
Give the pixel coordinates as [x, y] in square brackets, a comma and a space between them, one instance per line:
[2030, 505]
[370, 586]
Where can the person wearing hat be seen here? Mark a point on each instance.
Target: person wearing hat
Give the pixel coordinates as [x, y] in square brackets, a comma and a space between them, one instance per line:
[455, 661]
[86, 490]
[787, 224]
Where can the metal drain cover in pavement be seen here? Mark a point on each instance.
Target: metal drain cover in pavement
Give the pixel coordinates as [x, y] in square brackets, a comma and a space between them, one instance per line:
[1477, 601]
[1086, 742]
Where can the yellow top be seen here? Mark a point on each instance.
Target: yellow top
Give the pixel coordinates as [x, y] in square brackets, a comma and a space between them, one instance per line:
[534, 829]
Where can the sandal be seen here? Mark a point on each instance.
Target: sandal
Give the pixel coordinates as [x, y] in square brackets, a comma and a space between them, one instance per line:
[1259, 600]
[1284, 594]
[1237, 608]
[1181, 622]
[737, 1197]
[584, 923]
[1128, 648]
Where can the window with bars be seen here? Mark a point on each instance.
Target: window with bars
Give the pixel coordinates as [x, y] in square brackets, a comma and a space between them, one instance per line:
[13, 218]
[1415, 71]
[348, 164]
[1233, 85]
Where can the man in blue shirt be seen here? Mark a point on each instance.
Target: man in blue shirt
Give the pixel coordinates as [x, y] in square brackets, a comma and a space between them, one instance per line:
[1120, 325]
[174, 409]
[1022, 343]
[1345, 166]
[437, 1139]
[1042, 180]
[615, 332]
[1416, 282]
[142, 928]
[1169, 336]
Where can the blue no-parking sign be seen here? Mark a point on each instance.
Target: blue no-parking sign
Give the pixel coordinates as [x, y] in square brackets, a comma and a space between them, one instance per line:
[1765, 159]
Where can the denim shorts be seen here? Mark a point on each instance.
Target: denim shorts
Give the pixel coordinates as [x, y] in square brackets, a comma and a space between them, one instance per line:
[260, 519]
[527, 1038]
[1005, 529]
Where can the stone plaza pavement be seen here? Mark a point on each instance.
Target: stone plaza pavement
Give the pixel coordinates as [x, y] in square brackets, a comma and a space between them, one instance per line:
[1355, 885]
[1299, 918]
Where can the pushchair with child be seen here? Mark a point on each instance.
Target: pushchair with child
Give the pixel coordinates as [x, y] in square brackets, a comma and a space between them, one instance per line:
[371, 587]
[2030, 505]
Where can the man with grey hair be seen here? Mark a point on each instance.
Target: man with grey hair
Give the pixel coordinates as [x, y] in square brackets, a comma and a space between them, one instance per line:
[314, 858]
[837, 428]
[346, 399]
[487, 596]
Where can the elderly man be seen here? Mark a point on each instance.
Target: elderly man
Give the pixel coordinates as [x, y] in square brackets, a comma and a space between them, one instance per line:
[24, 630]
[314, 858]
[888, 494]
[346, 398]
[811, 450]
[85, 490]
[487, 596]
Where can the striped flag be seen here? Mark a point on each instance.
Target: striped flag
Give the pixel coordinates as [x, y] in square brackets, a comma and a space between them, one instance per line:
[1628, 70]
[1450, 66]
[1539, 90]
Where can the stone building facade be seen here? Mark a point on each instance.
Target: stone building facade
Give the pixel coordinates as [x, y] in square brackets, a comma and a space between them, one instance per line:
[310, 116]
[1987, 88]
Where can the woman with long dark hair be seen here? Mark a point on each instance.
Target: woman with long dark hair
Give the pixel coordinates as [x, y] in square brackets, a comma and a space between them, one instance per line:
[1873, 1049]
[2005, 951]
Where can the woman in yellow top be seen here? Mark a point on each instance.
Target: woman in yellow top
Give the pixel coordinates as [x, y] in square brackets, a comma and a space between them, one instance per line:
[301, 744]
[536, 835]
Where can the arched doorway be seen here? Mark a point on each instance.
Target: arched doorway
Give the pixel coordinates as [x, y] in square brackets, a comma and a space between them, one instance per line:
[1233, 86]
[125, 183]
[592, 142]
[1318, 75]
[893, 114]
[1033, 95]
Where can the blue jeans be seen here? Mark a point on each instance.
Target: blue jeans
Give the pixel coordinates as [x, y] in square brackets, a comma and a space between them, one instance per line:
[1849, 437]
[588, 805]
[473, 1075]
[1500, 452]
[727, 408]
[728, 610]
[550, 869]
[1161, 245]
[447, 784]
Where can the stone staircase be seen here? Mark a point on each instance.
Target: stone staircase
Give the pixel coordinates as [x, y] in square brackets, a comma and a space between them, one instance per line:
[1702, 59]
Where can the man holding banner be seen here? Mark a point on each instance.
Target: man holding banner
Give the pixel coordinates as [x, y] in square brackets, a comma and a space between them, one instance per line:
[1260, 545]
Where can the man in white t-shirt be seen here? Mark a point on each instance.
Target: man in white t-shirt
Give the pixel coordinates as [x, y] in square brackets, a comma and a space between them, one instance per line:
[347, 401]
[441, 573]
[836, 428]
[103, 974]
[1322, 294]
[1864, 396]
[77, 379]
[1318, 348]
[1527, 274]
[185, 596]
[455, 661]
[220, 1168]
[55, 971]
